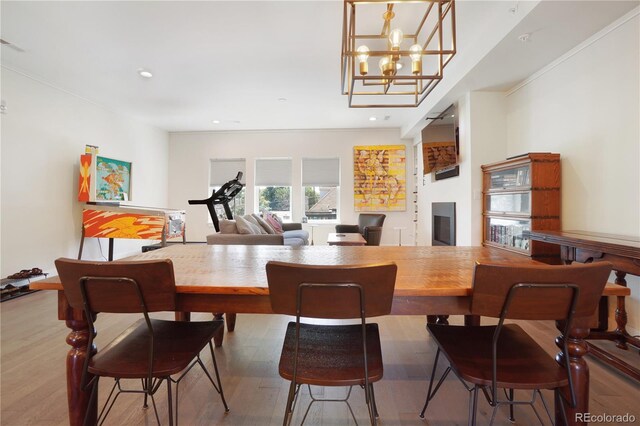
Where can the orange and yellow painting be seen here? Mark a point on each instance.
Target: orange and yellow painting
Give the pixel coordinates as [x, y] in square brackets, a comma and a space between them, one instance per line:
[112, 224]
[379, 178]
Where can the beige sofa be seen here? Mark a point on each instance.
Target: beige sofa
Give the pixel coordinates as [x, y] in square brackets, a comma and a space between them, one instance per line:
[293, 235]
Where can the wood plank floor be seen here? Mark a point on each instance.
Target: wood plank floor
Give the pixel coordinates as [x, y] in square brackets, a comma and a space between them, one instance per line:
[33, 390]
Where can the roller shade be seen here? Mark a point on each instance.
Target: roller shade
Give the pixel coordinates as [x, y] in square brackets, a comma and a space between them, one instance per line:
[320, 172]
[273, 172]
[223, 170]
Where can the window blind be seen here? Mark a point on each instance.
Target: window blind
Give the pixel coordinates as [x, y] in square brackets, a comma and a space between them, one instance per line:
[320, 172]
[273, 172]
[224, 169]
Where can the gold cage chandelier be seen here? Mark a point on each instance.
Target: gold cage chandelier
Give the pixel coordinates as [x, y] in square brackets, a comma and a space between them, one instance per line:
[409, 42]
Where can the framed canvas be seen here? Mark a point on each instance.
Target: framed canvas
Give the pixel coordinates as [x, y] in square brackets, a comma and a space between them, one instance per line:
[113, 179]
[379, 178]
[104, 179]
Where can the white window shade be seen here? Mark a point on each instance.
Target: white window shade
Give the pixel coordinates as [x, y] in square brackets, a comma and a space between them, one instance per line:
[273, 172]
[223, 170]
[320, 172]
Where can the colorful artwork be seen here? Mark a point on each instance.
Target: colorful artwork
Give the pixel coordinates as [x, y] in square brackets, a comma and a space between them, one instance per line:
[438, 155]
[84, 183]
[117, 222]
[379, 178]
[113, 179]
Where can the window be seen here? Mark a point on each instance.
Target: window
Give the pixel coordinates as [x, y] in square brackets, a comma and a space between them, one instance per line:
[273, 186]
[321, 184]
[222, 171]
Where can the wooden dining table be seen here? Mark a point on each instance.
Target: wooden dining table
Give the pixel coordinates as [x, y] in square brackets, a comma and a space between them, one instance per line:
[430, 281]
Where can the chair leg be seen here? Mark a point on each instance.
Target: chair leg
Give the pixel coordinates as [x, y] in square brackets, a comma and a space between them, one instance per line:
[473, 405]
[219, 387]
[430, 394]
[169, 401]
[373, 399]
[288, 414]
[512, 418]
[144, 388]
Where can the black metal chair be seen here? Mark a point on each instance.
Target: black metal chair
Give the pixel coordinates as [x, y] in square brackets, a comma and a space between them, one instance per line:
[369, 225]
[504, 356]
[151, 350]
[331, 355]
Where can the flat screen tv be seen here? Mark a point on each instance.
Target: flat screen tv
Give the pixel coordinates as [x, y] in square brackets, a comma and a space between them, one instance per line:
[440, 147]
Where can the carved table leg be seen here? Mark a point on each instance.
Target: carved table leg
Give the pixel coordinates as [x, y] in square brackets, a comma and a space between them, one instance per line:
[78, 399]
[577, 348]
[231, 321]
[621, 314]
[217, 339]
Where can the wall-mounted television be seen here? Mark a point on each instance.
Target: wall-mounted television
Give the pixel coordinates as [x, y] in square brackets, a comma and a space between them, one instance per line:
[440, 146]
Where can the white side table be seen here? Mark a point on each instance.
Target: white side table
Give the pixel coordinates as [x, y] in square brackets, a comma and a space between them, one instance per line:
[399, 229]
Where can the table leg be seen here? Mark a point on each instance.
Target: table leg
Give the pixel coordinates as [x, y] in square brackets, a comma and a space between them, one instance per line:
[231, 321]
[183, 316]
[219, 337]
[621, 314]
[78, 399]
[472, 320]
[577, 348]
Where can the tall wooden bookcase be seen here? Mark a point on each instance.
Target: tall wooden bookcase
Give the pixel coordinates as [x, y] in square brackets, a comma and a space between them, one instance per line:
[522, 194]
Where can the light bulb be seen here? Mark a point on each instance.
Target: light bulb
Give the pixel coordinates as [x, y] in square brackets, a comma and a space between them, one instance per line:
[416, 59]
[416, 52]
[395, 38]
[383, 63]
[363, 55]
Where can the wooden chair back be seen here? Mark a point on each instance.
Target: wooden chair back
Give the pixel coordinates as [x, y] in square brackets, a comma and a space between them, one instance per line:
[119, 287]
[492, 284]
[325, 296]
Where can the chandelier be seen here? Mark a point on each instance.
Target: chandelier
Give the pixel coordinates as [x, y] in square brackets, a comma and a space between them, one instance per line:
[395, 55]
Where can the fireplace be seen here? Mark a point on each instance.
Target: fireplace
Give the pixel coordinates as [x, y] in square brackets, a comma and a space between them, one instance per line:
[443, 224]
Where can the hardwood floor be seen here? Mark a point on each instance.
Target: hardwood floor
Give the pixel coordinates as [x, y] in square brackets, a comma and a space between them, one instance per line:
[33, 390]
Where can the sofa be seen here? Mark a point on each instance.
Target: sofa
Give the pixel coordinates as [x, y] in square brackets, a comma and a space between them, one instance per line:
[293, 235]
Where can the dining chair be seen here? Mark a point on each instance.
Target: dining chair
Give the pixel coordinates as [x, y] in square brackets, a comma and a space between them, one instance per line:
[150, 350]
[486, 358]
[369, 226]
[331, 355]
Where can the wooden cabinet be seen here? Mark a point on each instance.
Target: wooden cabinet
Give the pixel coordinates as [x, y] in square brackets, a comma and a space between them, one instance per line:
[522, 194]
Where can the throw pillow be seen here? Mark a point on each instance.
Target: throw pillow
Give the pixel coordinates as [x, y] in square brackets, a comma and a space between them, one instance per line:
[228, 227]
[253, 220]
[264, 224]
[246, 227]
[273, 222]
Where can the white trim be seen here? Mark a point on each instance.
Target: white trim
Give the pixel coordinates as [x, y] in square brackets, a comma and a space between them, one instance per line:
[588, 42]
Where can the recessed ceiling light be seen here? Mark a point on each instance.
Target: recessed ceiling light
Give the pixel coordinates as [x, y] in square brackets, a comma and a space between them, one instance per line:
[216, 121]
[453, 115]
[372, 118]
[282, 99]
[145, 73]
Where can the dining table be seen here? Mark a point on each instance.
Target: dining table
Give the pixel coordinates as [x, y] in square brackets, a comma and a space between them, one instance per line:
[432, 281]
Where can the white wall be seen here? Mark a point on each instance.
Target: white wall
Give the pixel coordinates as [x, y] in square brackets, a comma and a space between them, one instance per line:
[482, 136]
[43, 134]
[189, 171]
[587, 108]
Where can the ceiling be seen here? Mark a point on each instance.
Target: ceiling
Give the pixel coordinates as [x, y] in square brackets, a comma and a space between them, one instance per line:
[264, 64]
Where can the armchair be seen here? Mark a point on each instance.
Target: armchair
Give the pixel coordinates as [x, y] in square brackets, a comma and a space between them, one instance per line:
[369, 225]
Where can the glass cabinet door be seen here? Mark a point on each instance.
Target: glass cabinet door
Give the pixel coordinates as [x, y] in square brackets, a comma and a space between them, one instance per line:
[510, 178]
[519, 203]
[508, 232]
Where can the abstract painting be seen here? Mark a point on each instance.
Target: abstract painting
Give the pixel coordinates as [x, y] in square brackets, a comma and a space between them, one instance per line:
[379, 178]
